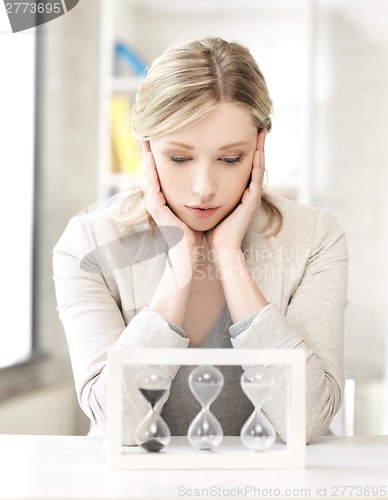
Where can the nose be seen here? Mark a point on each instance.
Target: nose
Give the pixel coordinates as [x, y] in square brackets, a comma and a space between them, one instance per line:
[204, 183]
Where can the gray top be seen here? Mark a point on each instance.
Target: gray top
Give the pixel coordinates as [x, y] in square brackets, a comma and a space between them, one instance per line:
[181, 407]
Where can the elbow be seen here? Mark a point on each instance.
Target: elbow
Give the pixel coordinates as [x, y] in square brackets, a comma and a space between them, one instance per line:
[321, 408]
[94, 403]
[92, 408]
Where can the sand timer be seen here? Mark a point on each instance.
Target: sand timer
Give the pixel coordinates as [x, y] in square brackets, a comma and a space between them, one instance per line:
[205, 431]
[257, 433]
[153, 433]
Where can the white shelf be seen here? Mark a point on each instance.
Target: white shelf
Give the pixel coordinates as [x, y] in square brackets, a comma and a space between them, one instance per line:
[213, 6]
[123, 84]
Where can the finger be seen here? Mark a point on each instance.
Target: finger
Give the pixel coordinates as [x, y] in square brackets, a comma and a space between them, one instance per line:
[154, 195]
[257, 174]
[145, 147]
[260, 155]
[258, 167]
[152, 174]
[152, 181]
[260, 142]
[256, 185]
[261, 139]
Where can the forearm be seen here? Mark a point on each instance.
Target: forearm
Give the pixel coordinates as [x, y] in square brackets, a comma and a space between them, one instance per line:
[147, 330]
[324, 382]
[242, 294]
[172, 294]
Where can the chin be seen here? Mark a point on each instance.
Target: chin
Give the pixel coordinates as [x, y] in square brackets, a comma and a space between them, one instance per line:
[200, 226]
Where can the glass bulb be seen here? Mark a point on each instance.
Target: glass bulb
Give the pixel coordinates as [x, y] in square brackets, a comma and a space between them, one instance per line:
[205, 432]
[257, 433]
[153, 432]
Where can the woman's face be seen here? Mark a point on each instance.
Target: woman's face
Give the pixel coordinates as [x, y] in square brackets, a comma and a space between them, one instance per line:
[205, 167]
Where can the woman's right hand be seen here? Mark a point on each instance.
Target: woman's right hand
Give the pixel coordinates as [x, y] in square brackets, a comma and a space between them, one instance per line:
[156, 202]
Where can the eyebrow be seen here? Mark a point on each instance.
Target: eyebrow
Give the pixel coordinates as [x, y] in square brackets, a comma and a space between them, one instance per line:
[226, 146]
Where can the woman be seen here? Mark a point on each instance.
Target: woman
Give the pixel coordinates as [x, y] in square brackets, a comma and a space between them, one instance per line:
[204, 258]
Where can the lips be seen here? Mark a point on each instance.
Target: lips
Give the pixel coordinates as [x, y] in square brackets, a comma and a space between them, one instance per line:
[202, 211]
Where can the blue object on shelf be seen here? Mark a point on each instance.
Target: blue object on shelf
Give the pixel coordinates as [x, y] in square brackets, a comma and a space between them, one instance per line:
[123, 51]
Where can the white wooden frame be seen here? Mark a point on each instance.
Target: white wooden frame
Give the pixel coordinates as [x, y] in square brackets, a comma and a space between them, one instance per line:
[291, 455]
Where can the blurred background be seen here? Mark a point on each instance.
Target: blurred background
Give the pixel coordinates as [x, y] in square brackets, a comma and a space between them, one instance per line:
[65, 104]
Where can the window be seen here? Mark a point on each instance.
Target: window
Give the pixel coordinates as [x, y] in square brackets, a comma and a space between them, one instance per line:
[17, 125]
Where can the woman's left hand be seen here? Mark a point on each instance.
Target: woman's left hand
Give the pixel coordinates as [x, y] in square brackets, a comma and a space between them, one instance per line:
[229, 233]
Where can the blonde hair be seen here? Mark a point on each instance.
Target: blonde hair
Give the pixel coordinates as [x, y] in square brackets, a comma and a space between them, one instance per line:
[189, 80]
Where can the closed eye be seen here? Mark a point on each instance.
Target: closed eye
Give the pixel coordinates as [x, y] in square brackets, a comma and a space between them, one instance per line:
[231, 159]
[179, 159]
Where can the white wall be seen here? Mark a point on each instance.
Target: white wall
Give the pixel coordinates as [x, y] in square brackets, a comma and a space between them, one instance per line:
[17, 99]
[50, 410]
[350, 177]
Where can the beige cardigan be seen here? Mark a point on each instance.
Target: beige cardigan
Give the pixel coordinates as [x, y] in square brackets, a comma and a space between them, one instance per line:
[302, 272]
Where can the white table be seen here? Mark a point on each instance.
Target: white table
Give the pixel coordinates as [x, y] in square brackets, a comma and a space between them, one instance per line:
[69, 467]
